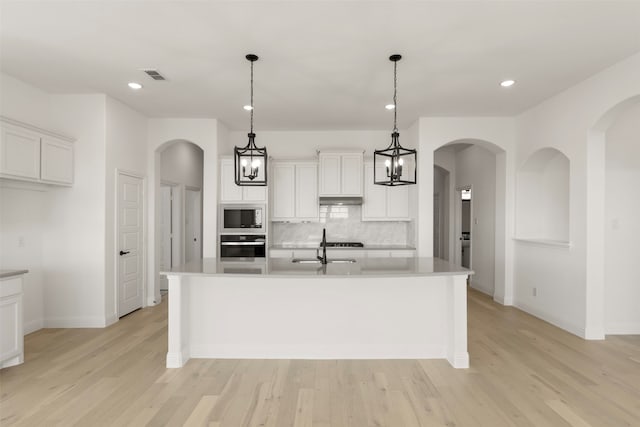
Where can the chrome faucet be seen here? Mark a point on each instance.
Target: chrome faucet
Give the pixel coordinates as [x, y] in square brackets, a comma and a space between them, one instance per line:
[323, 258]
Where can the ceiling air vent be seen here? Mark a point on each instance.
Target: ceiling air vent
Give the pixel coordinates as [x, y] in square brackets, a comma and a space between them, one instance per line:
[154, 74]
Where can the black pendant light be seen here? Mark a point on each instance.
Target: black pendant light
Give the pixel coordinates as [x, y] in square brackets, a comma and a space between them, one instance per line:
[250, 161]
[395, 165]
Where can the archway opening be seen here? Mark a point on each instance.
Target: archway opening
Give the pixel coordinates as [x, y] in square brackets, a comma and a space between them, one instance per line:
[478, 165]
[178, 232]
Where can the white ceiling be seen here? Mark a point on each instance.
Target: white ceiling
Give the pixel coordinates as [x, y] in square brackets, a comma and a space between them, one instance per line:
[323, 64]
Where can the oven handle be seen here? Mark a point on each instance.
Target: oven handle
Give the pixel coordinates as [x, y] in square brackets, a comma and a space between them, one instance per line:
[242, 243]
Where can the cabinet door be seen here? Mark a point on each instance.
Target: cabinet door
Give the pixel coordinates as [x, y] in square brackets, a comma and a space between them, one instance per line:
[283, 191]
[56, 161]
[229, 191]
[378, 254]
[307, 207]
[403, 253]
[280, 253]
[254, 194]
[19, 153]
[330, 175]
[374, 205]
[351, 172]
[398, 202]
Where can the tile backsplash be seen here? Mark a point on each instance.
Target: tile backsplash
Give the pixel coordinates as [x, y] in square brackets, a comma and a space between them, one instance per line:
[343, 223]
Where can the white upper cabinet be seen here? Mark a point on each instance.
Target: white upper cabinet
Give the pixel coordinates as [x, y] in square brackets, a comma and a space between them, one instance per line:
[294, 191]
[340, 174]
[283, 190]
[307, 207]
[20, 153]
[383, 203]
[31, 154]
[230, 192]
[56, 161]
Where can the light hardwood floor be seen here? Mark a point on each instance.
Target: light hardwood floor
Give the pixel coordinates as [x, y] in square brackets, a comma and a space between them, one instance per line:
[524, 372]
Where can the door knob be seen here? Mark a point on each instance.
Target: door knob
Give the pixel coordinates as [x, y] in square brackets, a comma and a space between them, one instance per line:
[123, 252]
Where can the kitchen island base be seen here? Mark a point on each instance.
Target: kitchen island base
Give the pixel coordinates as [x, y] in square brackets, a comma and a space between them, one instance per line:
[318, 317]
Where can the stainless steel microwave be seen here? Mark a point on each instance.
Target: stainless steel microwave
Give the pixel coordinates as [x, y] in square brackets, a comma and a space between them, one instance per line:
[242, 219]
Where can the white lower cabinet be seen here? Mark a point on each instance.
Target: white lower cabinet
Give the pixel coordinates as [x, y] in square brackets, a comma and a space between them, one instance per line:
[382, 203]
[28, 153]
[343, 253]
[11, 330]
[294, 191]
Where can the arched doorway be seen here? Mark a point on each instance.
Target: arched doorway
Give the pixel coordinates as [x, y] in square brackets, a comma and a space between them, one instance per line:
[613, 170]
[178, 201]
[480, 165]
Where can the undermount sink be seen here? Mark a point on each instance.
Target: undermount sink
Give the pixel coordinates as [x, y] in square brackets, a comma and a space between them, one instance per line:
[317, 261]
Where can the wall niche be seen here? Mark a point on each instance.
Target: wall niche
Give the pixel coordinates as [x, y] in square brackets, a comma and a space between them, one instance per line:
[542, 198]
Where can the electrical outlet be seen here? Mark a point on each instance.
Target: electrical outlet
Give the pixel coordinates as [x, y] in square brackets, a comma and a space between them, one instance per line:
[535, 292]
[21, 242]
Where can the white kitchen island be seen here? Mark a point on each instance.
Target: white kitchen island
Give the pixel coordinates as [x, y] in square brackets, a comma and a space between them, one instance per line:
[396, 308]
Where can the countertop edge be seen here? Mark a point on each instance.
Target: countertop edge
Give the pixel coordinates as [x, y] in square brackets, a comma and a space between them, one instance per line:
[6, 274]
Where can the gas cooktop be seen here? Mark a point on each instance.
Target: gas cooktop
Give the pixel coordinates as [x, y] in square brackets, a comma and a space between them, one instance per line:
[344, 245]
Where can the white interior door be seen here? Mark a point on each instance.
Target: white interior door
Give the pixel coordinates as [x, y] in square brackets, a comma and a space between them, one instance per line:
[165, 237]
[130, 253]
[193, 229]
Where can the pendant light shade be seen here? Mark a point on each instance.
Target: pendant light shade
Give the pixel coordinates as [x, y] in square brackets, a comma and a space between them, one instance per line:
[250, 162]
[395, 165]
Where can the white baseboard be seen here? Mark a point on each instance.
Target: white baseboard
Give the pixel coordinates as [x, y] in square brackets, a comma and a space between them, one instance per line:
[75, 322]
[508, 301]
[459, 361]
[478, 287]
[354, 351]
[177, 359]
[32, 326]
[111, 319]
[549, 318]
[623, 328]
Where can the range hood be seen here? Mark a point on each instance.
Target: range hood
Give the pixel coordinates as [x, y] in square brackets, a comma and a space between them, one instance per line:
[340, 200]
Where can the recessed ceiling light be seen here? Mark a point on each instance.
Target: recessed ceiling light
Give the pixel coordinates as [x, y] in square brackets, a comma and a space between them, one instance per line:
[507, 83]
[390, 106]
[248, 107]
[135, 86]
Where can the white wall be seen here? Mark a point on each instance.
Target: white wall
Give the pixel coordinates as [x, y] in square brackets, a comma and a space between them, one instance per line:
[23, 216]
[182, 163]
[21, 101]
[66, 247]
[622, 232]
[23, 208]
[126, 150]
[441, 178]
[303, 144]
[476, 166]
[542, 199]
[74, 238]
[570, 281]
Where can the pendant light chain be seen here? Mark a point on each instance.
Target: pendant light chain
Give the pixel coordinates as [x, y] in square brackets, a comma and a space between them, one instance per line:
[251, 97]
[395, 96]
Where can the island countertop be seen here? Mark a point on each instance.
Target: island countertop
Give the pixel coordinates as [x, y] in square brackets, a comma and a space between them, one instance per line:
[284, 267]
